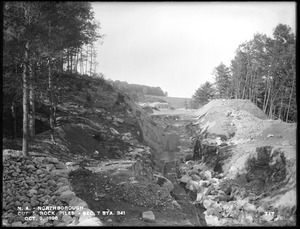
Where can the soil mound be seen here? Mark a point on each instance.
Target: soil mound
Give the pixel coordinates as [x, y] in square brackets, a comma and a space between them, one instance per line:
[226, 118]
[232, 104]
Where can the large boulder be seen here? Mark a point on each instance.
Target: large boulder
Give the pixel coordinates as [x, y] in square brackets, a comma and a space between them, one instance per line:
[135, 168]
[148, 216]
[163, 182]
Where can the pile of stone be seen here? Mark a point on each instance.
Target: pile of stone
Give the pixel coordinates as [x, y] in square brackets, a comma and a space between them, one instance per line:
[228, 203]
[37, 192]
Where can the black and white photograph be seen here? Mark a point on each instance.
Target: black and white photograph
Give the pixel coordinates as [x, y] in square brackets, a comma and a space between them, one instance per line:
[149, 114]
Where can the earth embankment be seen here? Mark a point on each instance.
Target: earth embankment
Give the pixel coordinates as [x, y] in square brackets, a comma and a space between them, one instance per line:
[248, 172]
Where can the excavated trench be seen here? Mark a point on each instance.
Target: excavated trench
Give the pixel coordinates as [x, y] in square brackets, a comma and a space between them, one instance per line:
[170, 169]
[185, 197]
[263, 173]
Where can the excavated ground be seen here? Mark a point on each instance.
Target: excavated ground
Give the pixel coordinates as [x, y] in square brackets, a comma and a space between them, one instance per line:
[110, 167]
[123, 164]
[248, 174]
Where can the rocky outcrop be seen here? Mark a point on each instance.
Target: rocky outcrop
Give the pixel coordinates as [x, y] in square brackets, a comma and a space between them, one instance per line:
[152, 133]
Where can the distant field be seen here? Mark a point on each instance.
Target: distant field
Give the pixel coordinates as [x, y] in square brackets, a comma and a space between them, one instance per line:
[173, 101]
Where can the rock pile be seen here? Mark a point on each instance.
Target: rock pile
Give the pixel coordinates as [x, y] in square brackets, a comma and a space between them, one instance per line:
[227, 202]
[248, 126]
[37, 192]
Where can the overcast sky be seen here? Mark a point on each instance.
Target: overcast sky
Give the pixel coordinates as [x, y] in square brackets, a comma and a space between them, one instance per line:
[177, 45]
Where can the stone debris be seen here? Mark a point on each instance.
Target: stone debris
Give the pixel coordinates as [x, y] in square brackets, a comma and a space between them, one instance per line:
[175, 204]
[127, 137]
[164, 182]
[148, 216]
[38, 182]
[228, 204]
[89, 222]
[185, 179]
[118, 120]
[114, 131]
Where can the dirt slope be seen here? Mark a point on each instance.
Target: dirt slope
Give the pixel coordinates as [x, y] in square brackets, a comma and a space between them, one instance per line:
[256, 143]
[248, 173]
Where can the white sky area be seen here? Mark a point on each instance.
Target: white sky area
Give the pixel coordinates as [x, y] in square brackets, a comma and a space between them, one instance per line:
[177, 45]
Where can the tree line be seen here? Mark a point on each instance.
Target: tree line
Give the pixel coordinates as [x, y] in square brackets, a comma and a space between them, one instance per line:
[263, 70]
[42, 41]
[137, 88]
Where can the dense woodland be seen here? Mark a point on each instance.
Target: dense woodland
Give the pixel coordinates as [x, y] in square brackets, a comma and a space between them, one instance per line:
[263, 71]
[43, 41]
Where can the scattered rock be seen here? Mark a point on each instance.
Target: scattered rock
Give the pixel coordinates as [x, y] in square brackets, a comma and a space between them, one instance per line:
[67, 219]
[207, 203]
[212, 220]
[164, 182]
[63, 189]
[185, 179]
[192, 185]
[267, 217]
[175, 204]
[17, 224]
[49, 167]
[60, 166]
[113, 131]
[109, 118]
[148, 216]
[207, 175]
[53, 160]
[200, 167]
[119, 120]
[90, 222]
[249, 217]
[250, 207]
[67, 196]
[195, 177]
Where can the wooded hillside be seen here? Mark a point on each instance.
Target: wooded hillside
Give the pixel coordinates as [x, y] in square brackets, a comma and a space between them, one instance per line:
[42, 42]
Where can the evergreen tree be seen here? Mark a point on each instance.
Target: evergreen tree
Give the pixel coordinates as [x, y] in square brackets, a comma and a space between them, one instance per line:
[222, 80]
[203, 94]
